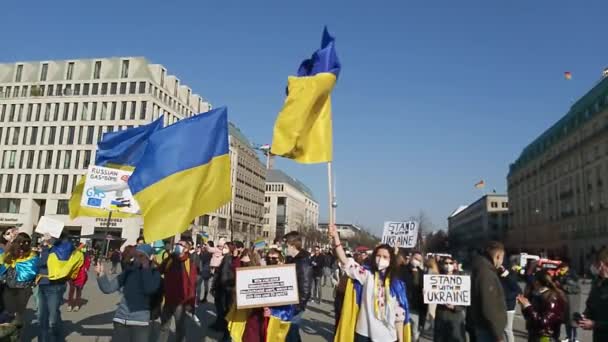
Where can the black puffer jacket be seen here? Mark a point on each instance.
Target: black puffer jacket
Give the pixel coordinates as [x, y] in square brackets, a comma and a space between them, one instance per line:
[304, 274]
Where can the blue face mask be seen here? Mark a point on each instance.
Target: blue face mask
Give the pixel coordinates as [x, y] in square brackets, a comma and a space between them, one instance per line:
[178, 249]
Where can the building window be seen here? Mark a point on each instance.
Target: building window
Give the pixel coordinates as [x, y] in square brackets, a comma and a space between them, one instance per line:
[104, 88]
[77, 89]
[142, 110]
[24, 90]
[64, 184]
[30, 159]
[54, 184]
[142, 87]
[16, 132]
[9, 205]
[70, 74]
[95, 89]
[132, 87]
[505, 205]
[94, 111]
[90, 132]
[162, 77]
[113, 111]
[49, 159]
[26, 183]
[74, 111]
[71, 130]
[57, 161]
[58, 90]
[47, 112]
[8, 187]
[21, 159]
[55, 113]
[133, 108]
[77, 161]
[87, 159]
[123, 88]
[66, 111]
[52, 131]
[45, 184]
[68, 159]
[85, 111]
[63, 207]
[11, 159]
[123, 110]
[85, 89]
[35, 189]
[113, 87]
[49, 90]
[124, 71]
[97, 70]
[104, 111]
[44, 71]
[80, 135]
[19, 73]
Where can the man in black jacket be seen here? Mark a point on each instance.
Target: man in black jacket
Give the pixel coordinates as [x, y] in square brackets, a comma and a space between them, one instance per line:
[317, 261]
[488, 308]
[412, 274]
[297, 255]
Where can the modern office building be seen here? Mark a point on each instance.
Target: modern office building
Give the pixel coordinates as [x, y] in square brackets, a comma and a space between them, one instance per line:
[559, 203]
[288, 205]
[474, 225]
[52, 114]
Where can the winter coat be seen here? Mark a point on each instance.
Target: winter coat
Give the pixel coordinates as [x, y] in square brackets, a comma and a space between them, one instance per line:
[179, 283]
[545, 314]
[488, 309]
[597, 309]
[511, 289]
[304, 276]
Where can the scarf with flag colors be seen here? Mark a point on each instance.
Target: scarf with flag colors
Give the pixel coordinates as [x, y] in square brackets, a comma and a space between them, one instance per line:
[275, 327]
[184, 173]
[119, 150]
[303, 129]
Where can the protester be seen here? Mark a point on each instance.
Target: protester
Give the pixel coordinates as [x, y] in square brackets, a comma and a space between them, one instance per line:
[511, 289]
[217, 254]
[567, 280]
[449, 322]
[205, 275]
[384, 307]
[544, 310]
[140, 240]
[298, 256]
[115, 259]
[328, 267]
[59, 262]
[317, 261]
[412, 274]
[431, 268]
[595, 316]
[179, 287]
[224, 282]
[138, 283]
[19, 275]
[76, 285]
[488, 309]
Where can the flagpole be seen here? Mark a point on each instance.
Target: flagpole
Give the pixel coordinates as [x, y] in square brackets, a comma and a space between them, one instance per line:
[107, 234]
[332, 204]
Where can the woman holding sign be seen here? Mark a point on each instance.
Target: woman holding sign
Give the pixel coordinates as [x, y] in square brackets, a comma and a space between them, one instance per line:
[449, 319]
[383, 308]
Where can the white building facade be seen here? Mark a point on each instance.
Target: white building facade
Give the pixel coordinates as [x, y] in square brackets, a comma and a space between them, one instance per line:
[53, 113]
[288, 205]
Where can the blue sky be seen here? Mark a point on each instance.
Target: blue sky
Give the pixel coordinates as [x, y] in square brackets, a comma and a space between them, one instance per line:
[433, 96]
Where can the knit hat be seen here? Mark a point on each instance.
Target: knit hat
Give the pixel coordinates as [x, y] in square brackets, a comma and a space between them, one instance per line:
[145, 249]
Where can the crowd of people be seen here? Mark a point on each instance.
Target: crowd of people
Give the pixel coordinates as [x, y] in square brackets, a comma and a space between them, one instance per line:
[378, 295]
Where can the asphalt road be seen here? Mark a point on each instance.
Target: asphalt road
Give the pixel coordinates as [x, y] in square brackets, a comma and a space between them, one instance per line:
[94, 321]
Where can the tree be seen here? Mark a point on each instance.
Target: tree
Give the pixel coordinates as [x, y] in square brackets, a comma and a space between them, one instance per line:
[437, 242]
[425, 225]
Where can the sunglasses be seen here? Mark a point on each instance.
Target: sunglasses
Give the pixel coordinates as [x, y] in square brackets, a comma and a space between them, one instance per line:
[273, 258]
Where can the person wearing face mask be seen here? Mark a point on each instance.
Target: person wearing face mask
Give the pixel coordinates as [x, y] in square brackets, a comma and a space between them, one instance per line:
[595, 316]
[138, 283]
[180, 273]
[383, 306]
[449, 320]
[544, 311]
[412, 274]
[224, 281]
[488, 309]
[301, 258]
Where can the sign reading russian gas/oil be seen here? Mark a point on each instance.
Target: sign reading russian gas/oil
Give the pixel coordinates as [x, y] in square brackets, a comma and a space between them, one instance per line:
[266, 286]
[107, 188]
[447, 289]
[400, 234]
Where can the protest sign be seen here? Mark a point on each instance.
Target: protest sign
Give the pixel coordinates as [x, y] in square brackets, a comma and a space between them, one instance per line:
[447, 289]
[107, 188]
[47, 225]
[400, 234]
[266, 286]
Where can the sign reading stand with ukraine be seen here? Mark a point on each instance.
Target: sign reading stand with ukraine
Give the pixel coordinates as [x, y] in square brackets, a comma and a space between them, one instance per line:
[107, 188]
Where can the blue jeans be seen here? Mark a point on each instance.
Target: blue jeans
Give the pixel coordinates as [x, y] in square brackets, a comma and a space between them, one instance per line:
[49, 302]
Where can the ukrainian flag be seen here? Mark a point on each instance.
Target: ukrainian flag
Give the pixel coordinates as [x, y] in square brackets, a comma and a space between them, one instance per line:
[303, 129]
[64, 261]
[184, 173]
[120, 150]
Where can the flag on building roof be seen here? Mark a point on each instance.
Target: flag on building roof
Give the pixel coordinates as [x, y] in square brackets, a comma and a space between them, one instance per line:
[303, 129]
[480, 185]
[567, 75]
[120, 150]
[184, 173]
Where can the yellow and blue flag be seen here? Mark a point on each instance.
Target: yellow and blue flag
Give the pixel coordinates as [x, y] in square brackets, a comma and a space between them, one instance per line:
[259, 244]
[303, 129]
[120, 150]
[183, 173]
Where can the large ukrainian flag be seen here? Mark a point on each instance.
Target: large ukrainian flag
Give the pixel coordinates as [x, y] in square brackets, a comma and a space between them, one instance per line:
[120, 150]
[303, 130]
[184, 173]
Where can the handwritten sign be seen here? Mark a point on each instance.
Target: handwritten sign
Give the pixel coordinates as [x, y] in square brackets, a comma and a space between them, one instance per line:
[447, 289]
[107, 188]
[266, 286]
[400, 234]
[48, 225]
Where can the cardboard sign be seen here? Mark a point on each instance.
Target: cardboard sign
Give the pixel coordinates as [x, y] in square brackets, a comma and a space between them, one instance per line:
[107, 188]
[50, 226]
[400, 234]
[447, 289]
[266, 286]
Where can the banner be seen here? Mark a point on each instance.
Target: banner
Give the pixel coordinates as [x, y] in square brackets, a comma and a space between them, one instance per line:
[266, 286]
[400, 234]
[51, 226]
[447, 289]
[107, 188]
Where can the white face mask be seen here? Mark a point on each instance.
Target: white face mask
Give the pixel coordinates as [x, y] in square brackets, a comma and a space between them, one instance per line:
[292, 251]
[382, 263]
[593, 269]
[225, 251]
[449, 268]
